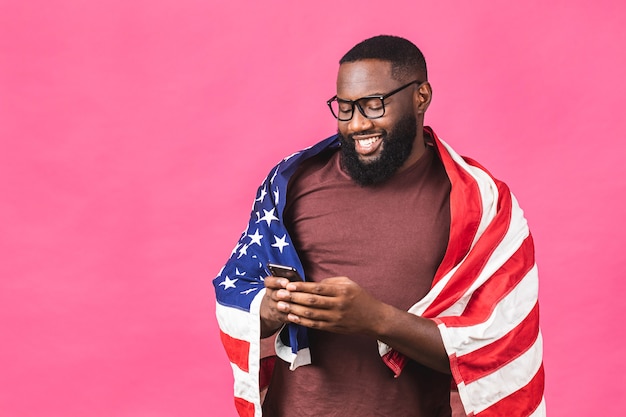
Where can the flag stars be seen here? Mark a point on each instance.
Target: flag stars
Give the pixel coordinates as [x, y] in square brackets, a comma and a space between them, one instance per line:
[276, 196]
[268, 216]
[280, 243]
[262, 195]
[274, 176]
[243, 251]
[228, 283]
[256, 238]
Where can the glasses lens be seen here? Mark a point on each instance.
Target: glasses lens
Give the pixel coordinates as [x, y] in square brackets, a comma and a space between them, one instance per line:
[341, 110]
[372, 107]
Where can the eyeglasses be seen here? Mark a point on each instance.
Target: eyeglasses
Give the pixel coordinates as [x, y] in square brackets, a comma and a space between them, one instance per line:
[371, 107]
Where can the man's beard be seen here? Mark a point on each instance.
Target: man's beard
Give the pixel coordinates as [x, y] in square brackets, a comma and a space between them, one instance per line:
[397, 146]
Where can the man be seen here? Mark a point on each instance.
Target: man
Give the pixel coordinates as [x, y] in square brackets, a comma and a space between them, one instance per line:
[418, 265]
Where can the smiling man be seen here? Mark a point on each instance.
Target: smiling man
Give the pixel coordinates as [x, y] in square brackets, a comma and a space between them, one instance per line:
[418, 268]
[374, 147]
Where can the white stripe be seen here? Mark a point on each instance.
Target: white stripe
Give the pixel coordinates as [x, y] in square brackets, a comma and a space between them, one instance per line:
[245, 384]
[507, 314]
[483, 393]
[238, 323]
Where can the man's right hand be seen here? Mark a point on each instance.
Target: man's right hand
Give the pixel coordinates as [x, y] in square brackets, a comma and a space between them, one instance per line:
[272, 318]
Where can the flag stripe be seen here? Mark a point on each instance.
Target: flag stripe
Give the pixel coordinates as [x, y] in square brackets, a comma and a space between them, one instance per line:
[524, 402]
[489, 358]
[237, 351]
[246, 384]
[480, 256]
[496, 287]
[540, 411]
[480, 394]
[507, 314]
[244, 408]
[235, 322]
[465, 213]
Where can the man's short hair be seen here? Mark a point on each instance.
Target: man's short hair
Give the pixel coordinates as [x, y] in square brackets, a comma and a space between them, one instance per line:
[406, 58]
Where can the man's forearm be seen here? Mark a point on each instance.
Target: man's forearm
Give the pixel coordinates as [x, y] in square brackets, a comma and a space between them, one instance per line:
[414, 336]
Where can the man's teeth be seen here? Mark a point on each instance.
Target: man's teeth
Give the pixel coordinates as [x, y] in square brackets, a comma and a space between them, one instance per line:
[368, 141]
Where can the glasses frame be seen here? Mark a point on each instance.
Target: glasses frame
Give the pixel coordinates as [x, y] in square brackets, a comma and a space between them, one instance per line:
[358, 105]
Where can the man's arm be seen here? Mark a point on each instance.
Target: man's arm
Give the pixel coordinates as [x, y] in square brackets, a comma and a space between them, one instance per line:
[340, 305]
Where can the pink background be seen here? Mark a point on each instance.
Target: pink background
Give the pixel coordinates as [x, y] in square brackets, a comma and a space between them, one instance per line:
[134, 134]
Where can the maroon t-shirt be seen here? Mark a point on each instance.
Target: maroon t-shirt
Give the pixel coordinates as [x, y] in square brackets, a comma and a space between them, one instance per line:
[390, 239]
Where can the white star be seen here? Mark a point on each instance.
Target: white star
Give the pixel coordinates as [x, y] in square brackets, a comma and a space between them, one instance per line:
[274, 175]
[235, 249]
[256, 238]
[239, 273]
[280, 243]
[276, 194]
[243, 251]
[248, 291]
[268, 216]
[261, 195]
[228, 283]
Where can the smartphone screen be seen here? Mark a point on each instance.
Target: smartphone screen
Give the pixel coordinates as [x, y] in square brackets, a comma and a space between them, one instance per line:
[284, 271]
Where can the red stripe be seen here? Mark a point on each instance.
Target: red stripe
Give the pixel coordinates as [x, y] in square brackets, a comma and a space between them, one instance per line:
[237, 351]
[521, 403]
[244, 408]
[471, 267]
[465, 211]
[494, 356]
[395, 361]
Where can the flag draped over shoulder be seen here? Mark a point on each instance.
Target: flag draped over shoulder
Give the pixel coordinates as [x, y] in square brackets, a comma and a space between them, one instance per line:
[483, 296]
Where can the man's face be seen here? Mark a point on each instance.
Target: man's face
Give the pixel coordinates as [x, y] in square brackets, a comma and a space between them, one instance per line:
[374, 149]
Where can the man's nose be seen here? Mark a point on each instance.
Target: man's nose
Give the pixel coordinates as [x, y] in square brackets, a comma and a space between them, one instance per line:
[359, 122]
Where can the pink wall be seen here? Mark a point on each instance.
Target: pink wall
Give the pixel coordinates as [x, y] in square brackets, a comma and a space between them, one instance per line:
[134, 133]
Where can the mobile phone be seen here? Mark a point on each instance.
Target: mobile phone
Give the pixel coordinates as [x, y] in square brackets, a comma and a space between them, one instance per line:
[284, 271]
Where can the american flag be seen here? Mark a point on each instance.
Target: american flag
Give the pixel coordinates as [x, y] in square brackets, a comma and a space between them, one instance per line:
[484, 296]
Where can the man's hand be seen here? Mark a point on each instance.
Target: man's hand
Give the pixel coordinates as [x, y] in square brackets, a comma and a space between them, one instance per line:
[335, 304]
[340, 305]
[271, 317]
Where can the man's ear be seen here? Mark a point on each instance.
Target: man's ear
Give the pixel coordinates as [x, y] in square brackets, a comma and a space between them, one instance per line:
[422, 97]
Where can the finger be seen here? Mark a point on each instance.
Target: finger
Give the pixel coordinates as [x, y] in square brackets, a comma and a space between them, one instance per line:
[311, 300]
[307, 322]
[275, 282]
[319, 288]
[307, 313]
